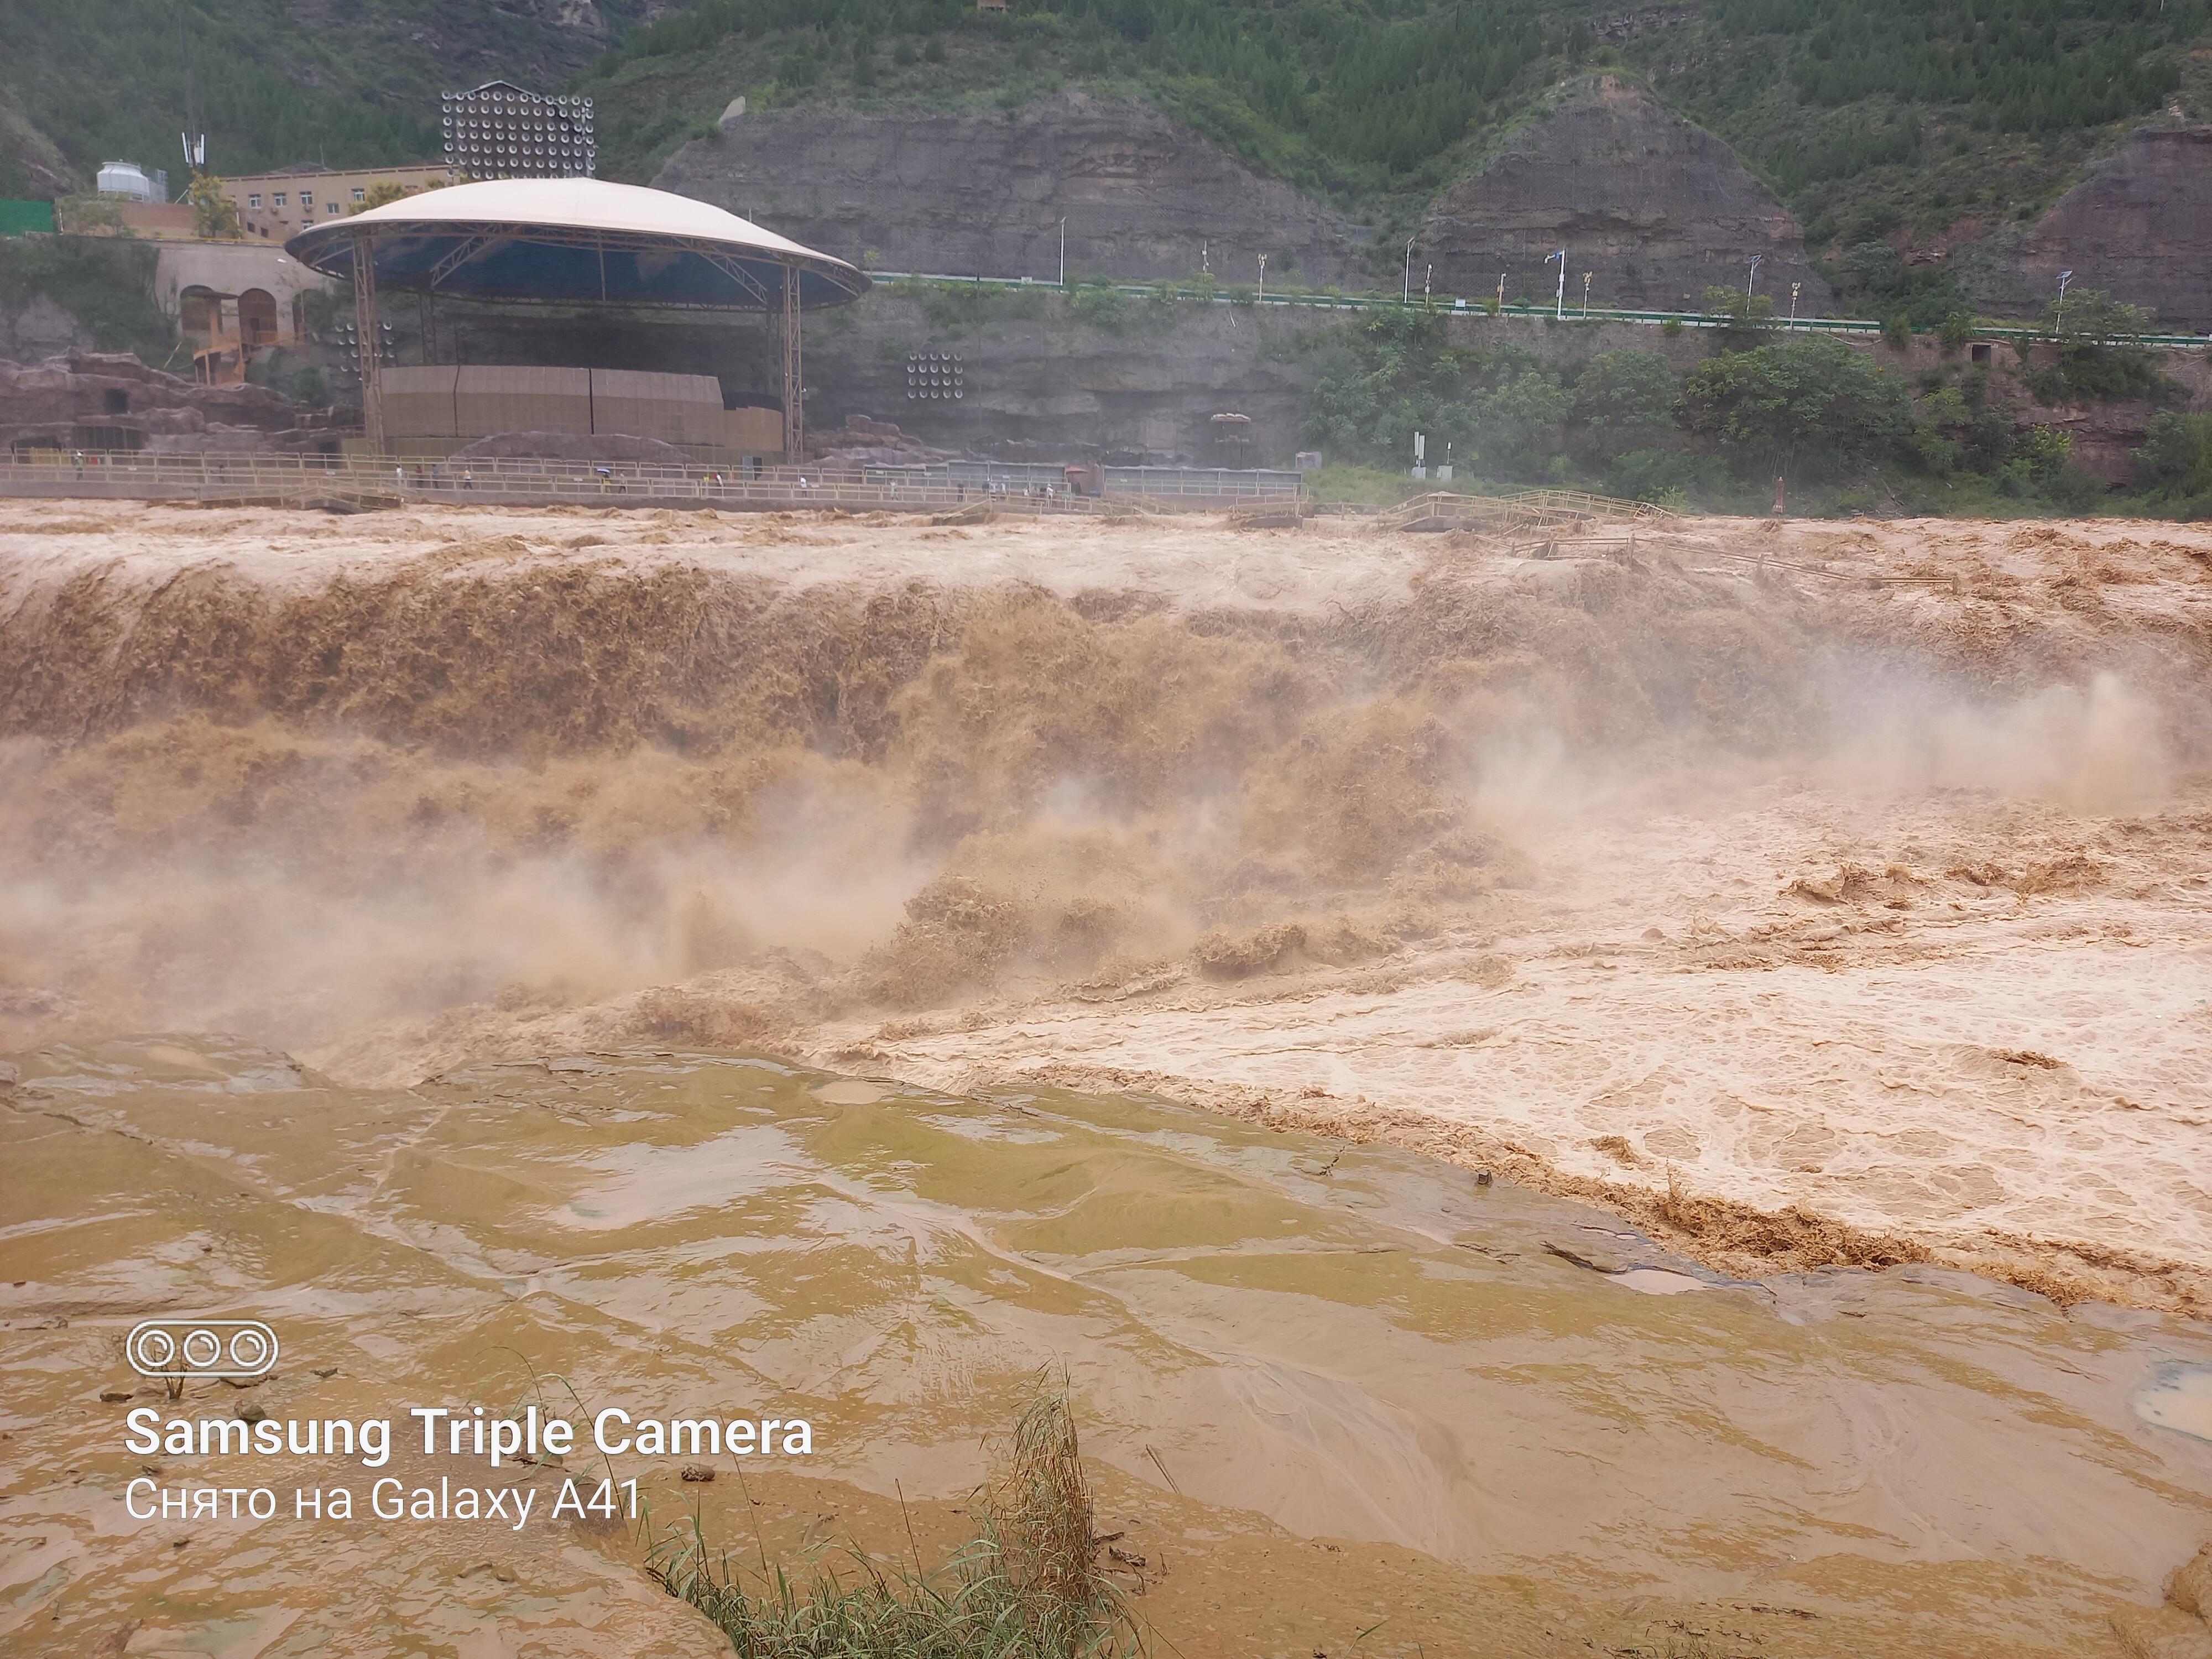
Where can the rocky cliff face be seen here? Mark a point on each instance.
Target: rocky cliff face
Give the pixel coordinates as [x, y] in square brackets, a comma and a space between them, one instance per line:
[982, 193]
[1655, 209]
[1146, 388]
[2139, 226]
[99, 400]
[37, 328]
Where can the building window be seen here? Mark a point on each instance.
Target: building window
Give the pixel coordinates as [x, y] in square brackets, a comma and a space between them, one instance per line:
[254, 200]
[280, 199]
[359, 194]
[306, 198]
[331, 208]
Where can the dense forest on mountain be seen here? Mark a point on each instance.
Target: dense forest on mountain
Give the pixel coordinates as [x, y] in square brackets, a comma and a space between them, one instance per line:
[1866, 116]
[1870, 117]
[270, 81]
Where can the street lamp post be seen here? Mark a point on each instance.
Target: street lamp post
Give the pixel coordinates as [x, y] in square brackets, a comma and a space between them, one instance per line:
[1559, 304]
[1794, 287]
[2064, 278]
[1063, 251]
[1406, 296]
[1753, 277]
[1586, 282]
[1263, 278]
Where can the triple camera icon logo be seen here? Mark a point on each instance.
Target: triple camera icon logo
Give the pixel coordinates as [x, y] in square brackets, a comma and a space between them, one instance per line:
[192, 1349]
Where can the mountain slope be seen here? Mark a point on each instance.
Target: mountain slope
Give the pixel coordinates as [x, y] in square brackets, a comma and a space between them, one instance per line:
[270, 82]
[1866, 116]
[1873, 116]
[1926, 124]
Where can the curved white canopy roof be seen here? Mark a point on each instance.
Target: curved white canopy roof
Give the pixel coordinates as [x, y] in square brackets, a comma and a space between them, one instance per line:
[576, 240]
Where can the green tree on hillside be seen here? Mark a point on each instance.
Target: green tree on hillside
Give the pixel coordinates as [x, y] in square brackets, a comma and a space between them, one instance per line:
[1516, 422]
[105, 283]
[2089, 316]
[1874, 280]
[2175, 461]
[1747, 317]
[385, 192]
[1385, 379]
[2096, 357]
[1817, 401]
[1625, 399]
[214, 214]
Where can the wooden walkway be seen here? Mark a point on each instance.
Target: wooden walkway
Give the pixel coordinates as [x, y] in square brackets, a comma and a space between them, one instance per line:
[1530, 510]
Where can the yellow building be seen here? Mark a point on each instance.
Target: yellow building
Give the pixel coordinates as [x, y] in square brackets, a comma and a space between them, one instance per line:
[280, 205]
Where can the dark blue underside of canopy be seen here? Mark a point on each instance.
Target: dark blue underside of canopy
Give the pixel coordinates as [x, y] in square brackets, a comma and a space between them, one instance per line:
[509, 268]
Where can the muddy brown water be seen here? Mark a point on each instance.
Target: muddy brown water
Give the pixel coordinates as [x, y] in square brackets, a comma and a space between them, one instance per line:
[1320, 1386]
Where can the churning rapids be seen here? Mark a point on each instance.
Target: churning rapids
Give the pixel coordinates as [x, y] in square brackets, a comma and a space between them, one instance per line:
[1707, 1053]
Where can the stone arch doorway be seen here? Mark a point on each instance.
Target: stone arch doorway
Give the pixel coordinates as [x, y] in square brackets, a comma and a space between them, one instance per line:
[256, 317]
[199, 311]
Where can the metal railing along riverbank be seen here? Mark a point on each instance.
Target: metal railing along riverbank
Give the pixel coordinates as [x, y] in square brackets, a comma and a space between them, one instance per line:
[1460, 306]
[348, 480]
[1168, 485]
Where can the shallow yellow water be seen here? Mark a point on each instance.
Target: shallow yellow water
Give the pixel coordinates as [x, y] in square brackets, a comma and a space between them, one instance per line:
[1270, 1340]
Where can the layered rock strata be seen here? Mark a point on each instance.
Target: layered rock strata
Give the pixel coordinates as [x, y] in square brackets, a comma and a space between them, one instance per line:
[982, 193]
[2139, 226]
[1655, 209]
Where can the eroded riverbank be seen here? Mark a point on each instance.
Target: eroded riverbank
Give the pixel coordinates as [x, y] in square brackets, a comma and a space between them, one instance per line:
[1324, 1385]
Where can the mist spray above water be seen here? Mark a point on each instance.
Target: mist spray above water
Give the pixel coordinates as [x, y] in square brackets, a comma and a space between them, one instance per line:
[498, 780]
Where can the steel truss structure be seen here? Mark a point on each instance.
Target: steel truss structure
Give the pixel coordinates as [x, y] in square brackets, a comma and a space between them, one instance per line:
[516, 260]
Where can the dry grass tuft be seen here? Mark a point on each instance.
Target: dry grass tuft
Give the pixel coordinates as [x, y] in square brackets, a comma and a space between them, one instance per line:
[2062, 1290]
[1027, 1587]
[1042, 1512]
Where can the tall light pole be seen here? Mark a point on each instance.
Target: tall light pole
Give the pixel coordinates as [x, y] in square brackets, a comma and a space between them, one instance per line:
[2064, 278]
[1753, 277]
[1407, 297]
[1263, 277]
[1559, 307]
[1794, 287]
[1428, 273]
[1063, 251]
[1586, 282]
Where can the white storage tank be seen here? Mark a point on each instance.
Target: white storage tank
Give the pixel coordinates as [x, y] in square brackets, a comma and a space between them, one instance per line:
[128, 179]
